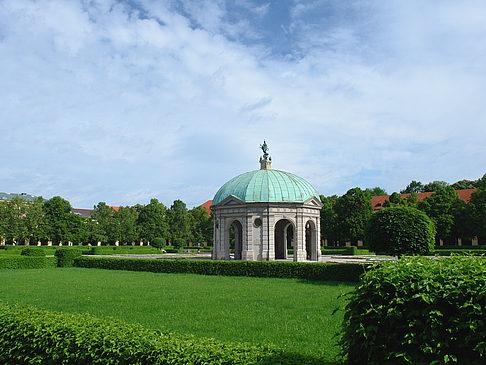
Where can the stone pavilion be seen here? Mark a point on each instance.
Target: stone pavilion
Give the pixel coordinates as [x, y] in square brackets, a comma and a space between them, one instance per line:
[265, 213]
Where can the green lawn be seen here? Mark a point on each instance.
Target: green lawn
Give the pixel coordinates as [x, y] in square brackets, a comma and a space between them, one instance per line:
[290, 313]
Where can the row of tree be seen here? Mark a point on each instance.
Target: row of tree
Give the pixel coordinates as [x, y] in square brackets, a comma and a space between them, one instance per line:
[345, 218]
[53, 220]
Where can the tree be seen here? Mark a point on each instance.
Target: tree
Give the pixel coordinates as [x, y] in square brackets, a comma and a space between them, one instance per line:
[478, 212]
[464, 184]
[413, 187]
[179, 223]
[103, 215]
[34, 220]
[201, 225]
[435, 185]
[153, 221]
[439, 207]
[329, 226]
[353, 210]
[126, 225]
[58, 218]
[12, 220]
[377, 191]
[400, 230]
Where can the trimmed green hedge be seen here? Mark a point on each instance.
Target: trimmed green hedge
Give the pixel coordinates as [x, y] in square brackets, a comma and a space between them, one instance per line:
[123, 250]
[418, 310]
[66, 256]
[31, 251]
[26, 262]
[30, 335]
[309, 271]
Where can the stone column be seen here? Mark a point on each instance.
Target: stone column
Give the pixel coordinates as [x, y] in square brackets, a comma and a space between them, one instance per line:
[247, 250]
[475, 241]
[299, 236]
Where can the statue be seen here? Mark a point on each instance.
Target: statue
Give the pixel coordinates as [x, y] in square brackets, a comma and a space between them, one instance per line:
[264, 148]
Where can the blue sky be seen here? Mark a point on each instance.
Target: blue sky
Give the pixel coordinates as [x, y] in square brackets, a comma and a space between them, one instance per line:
[123, 101]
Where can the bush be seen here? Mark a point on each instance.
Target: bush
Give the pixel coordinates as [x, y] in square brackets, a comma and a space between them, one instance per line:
[269, 269]
[66, 256]
[26, 262]
[400, 230]
[352, 250]
[418, 310]
[158, 242]
[30, 335]
[31, 251]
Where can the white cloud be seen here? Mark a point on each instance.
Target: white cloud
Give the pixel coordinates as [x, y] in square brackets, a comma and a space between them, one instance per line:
[106, 102]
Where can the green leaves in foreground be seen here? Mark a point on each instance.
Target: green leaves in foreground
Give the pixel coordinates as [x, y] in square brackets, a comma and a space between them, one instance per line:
[418, 311]
[29, 335]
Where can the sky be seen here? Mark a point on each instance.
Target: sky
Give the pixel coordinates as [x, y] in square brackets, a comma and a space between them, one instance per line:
[124, 101]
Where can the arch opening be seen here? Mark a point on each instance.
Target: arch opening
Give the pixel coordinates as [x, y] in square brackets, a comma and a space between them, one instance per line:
[311, 241]
[236, 239]
[284, 238]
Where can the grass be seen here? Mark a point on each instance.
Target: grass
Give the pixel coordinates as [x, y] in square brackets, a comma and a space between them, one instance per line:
[290, 313]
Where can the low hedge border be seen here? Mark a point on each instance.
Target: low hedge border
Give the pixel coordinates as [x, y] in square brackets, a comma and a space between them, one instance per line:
[268, 269]
[30, 335]
[26, 262]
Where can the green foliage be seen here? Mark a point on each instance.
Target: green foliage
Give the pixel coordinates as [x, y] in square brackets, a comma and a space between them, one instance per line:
[377, 191]
[60, 223]
[418, 311]
[33, 251]
[400, 230]
[478, 212]
[66, 256]
[26, 262]
[202, 224]
[158, 242]
[123, 250]
[31, 335]
[413, 187]
[353, 210]
[435, 185]
[179, 223]
[465, 184]
[268, 269]
[439, 207]
[153, 221]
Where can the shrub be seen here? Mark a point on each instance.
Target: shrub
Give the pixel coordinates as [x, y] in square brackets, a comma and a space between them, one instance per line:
[300, 270]
[66, 256]
[400, 230]
[26, 262]
[158, 242]
[352, 250]
[31, 251]
[418, 310]
[31, 335]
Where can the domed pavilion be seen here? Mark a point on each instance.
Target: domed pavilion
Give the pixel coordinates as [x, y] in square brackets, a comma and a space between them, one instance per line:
[264, 213]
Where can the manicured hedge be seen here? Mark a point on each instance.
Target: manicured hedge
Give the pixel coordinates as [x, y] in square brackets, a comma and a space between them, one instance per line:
[66, 256]
[33, 251]
[26, 262]
[123, 250]
[29, 335]
[309, 271]
[418, 310]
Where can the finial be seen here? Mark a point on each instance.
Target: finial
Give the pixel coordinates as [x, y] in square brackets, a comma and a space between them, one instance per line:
[266, 160]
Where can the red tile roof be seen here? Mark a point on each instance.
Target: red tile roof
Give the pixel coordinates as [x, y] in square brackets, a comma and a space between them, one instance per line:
[207, 206]
[377, 201]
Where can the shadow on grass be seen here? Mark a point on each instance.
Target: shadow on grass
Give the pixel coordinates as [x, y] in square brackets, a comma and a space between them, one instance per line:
[297, 359]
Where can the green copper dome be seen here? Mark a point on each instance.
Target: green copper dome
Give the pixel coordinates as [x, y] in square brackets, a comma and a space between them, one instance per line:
[267, 185]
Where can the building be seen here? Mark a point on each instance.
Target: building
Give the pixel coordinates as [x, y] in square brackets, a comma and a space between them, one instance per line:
[270, 211]
[378, 201]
